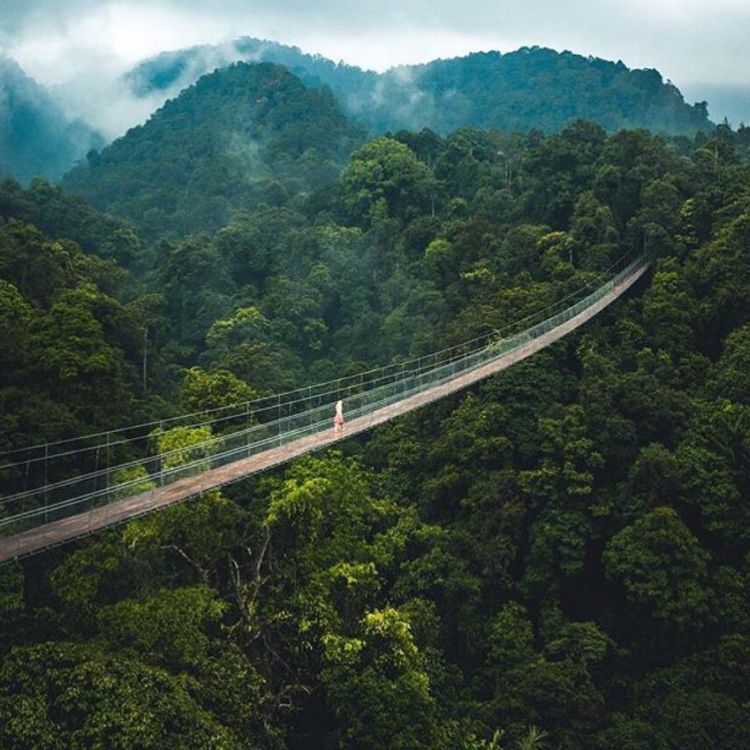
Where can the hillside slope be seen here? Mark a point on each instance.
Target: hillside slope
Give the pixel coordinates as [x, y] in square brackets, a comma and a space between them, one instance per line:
[36, 137]
[241, 136]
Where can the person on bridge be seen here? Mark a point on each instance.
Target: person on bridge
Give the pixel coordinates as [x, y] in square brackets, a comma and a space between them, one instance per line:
[338, 419]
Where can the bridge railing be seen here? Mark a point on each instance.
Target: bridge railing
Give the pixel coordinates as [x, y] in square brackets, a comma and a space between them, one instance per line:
[304, 412]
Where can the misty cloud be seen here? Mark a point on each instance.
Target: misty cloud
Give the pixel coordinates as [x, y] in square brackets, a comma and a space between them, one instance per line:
[82, 47]
[685, 39]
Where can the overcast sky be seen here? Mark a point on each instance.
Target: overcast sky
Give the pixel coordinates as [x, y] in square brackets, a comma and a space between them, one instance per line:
[688, 41]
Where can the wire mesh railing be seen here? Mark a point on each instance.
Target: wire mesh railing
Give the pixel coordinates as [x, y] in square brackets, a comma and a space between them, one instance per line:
[294, 415]
[98, 446]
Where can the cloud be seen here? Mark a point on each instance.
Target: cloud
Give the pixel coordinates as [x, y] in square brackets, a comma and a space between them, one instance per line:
[82, 46]
[684, 38]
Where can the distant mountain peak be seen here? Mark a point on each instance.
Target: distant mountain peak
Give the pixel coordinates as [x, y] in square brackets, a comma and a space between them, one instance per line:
[36, 137]
[532, 87]
[240, 135]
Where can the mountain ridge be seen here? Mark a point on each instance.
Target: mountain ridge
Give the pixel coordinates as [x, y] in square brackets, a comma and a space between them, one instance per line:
[36, 137]
[240, 136]
[530, 88]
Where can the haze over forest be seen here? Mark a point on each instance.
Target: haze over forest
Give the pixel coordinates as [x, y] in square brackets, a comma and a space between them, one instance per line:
[221, 256]
[85, 55]
[532, 88]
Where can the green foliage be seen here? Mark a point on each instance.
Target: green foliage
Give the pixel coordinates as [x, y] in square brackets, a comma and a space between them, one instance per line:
[202, 391]
[535, 739]
[241, 136]
[59, 214]
[87, 574]
[510, 639]
[77, 696]
[661, 565]
[168, 628]
[377, 685]
[61, 332]
[555, 558]
[199, 533]
[135, 477]
[182, 445]
[298, 503]
[11, 597]
[383, 179]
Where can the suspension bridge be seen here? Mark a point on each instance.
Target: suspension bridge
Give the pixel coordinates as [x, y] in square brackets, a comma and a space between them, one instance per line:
[248, 438]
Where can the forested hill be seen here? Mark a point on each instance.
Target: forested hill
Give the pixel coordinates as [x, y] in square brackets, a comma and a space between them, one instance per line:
[242, 135]
[36, 137]
[554, 559]
[532, 88]
[175, 70]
